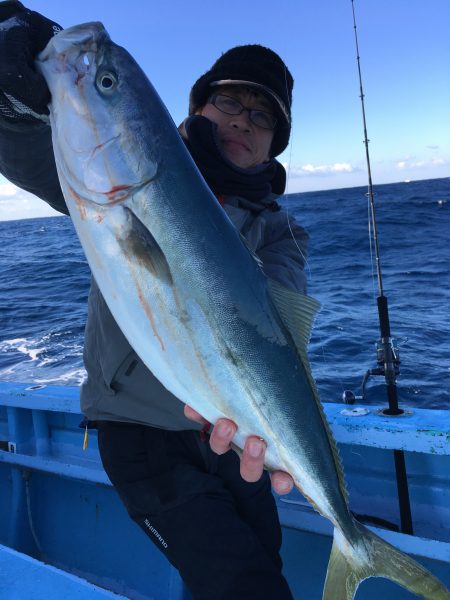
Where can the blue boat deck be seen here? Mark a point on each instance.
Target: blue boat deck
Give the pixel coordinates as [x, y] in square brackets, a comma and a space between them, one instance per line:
[25, 578]
[60, 507]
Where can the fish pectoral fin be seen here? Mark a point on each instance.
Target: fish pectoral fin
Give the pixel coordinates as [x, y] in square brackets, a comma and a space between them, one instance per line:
[139, 242]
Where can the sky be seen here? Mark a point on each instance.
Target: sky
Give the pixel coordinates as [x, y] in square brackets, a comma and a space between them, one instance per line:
[404, 47]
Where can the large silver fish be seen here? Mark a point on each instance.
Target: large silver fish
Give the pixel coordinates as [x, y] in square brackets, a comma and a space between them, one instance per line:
[189, 295]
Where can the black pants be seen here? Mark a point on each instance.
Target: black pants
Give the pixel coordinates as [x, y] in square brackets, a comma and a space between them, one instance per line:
[220, 532]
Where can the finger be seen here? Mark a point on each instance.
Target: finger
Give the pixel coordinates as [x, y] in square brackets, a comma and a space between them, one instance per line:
[221, 436]
[282, 482]
[252, 459]
[193, 415]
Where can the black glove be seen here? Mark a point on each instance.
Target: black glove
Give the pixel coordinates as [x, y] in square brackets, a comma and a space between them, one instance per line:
[24, 33]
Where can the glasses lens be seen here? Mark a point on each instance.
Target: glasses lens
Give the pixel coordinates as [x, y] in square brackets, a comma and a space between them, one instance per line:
[263, 119]
[226, 104]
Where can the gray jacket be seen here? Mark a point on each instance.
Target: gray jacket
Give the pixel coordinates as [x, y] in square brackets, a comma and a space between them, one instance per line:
[118, 386]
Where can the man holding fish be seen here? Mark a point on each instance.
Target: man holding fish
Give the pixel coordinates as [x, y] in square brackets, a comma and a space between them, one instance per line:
[203, 273]
[219, 529]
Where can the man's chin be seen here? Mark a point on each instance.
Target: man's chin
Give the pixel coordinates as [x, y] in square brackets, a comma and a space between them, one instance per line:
[238, 155]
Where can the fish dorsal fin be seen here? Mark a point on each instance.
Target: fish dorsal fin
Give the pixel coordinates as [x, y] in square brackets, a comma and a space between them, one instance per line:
[298, 312]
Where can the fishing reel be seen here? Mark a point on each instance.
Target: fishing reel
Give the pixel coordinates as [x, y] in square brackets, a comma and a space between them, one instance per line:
[388, 358]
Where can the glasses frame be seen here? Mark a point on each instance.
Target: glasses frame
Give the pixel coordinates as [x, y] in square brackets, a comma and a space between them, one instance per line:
[251, 111]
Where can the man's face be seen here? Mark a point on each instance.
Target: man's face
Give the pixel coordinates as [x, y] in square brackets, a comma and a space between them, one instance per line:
[243, 143]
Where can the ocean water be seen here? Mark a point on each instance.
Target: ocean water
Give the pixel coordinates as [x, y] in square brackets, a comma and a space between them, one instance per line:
[44, 281]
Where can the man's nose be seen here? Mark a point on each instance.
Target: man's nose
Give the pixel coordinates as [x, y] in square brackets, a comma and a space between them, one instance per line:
[242, 120]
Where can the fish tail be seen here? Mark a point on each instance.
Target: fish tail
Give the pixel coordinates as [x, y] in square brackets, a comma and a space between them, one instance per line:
[370, 556]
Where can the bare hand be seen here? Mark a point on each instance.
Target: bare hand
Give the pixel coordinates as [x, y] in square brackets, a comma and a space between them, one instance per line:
[252, 458]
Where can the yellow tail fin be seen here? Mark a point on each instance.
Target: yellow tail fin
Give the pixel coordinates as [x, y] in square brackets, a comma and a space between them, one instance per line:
[370, 556]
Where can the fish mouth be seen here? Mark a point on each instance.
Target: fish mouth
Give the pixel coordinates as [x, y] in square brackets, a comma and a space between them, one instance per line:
[84, 38]
[74, 50]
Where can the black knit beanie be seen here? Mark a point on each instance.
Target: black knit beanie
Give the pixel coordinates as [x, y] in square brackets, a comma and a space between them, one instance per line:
[254, 66]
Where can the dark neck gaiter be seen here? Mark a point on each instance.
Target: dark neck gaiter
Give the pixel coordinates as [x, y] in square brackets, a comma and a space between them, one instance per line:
[221, 175]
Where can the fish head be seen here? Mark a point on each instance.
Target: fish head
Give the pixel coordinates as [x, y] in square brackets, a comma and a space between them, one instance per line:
[96, 115]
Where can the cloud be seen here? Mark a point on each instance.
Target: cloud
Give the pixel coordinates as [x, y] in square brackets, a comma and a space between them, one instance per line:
[17, 204]
[413, 163]
[319, 170]
[8, 189]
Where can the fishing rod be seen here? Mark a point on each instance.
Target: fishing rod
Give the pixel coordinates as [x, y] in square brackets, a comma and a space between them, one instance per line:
[387, 356]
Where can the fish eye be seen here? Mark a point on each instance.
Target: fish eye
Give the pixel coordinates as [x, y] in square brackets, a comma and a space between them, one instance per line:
[106, 81]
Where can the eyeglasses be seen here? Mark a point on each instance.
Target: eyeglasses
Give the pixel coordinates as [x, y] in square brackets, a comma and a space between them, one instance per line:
[231, 106]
